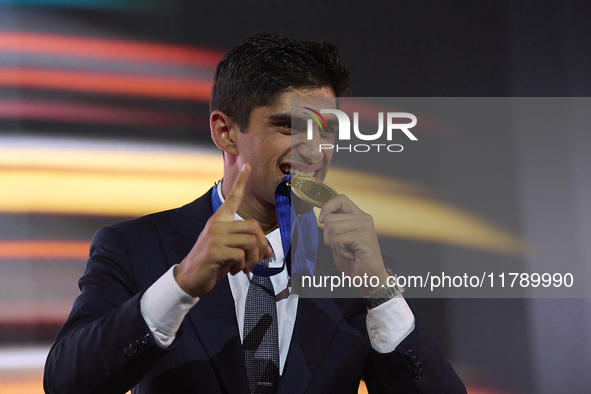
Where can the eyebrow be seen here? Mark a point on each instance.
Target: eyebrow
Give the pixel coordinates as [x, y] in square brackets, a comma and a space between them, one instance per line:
[280, 117]
[287, 117]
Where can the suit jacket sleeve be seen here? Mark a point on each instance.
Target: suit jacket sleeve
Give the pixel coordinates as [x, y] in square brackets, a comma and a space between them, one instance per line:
[105, 345]
[415, 366]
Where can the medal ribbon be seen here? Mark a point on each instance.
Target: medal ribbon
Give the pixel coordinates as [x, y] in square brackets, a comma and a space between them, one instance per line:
[304, 256]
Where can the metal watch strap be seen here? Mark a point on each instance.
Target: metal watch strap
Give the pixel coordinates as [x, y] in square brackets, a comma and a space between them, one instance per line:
[385, 293]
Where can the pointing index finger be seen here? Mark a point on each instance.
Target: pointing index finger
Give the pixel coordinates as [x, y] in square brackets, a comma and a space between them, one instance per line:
[232, 202]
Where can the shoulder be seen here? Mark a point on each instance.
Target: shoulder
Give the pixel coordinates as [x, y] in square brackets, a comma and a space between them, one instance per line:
[147, 232]
[149, 244]
[195, 211]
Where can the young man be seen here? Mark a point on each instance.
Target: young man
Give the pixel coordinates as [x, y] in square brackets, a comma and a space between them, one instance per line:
[169, 304]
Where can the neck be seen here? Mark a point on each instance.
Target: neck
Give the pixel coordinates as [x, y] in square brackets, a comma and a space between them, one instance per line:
[251, 208]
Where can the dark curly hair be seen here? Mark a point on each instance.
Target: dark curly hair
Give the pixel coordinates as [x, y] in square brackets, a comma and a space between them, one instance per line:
[262, 67]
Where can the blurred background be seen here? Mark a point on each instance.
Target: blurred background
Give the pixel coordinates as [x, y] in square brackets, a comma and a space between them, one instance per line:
[104, 117]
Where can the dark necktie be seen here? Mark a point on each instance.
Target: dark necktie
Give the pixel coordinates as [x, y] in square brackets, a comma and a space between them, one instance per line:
[260, 343]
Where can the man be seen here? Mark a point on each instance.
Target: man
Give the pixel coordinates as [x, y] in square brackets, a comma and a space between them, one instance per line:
[169, 304]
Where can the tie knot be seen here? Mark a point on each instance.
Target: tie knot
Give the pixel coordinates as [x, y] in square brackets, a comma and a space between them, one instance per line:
[265, 262]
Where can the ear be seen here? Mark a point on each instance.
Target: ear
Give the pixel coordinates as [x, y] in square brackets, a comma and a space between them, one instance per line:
[223, 132]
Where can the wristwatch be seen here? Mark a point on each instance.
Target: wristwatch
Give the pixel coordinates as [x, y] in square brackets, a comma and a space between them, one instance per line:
[385, 293]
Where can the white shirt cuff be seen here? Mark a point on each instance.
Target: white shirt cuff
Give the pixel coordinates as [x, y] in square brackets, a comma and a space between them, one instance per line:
[389, 323]
[164, 306]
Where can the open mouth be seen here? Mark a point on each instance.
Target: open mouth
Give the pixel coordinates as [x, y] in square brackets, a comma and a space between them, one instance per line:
[293, 171]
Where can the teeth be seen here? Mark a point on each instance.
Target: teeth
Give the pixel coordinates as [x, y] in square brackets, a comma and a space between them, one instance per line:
[293, 171]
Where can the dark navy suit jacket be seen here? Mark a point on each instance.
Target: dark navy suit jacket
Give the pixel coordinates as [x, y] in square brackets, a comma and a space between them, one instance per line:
[106, 347]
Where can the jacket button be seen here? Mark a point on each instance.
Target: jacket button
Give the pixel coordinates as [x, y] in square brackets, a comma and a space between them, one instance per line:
[132, 348]
[410, 356]
[146, 339]
[418, 373]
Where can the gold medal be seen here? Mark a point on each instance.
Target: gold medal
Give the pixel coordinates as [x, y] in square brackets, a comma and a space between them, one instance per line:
[311, 190]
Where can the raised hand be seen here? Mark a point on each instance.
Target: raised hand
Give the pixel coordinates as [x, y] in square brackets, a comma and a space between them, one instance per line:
[225, 245]
[351, 235]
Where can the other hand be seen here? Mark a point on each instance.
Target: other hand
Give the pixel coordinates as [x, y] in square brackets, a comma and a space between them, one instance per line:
[351, 235]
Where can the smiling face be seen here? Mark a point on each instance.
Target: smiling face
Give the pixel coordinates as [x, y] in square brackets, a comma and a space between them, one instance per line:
[273, 149]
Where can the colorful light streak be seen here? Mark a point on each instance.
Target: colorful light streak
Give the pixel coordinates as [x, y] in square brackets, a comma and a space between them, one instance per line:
[114, 5]
[108, 49]
[45, 250]
[97, 114]
[107, 83]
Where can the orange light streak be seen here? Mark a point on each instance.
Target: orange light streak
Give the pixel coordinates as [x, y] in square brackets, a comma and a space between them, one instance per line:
[46, 250]
[22, 387]
[124, 84]
[108, 49]
[97, 114]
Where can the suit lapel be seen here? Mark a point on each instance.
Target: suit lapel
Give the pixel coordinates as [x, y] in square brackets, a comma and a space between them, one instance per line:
[214, 320]
[214, 316]
[316, 323]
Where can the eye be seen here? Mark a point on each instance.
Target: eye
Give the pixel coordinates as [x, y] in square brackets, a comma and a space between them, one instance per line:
[333, 127]
[285, 127]
[298, 125]
[281, 125]
[332, 130]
